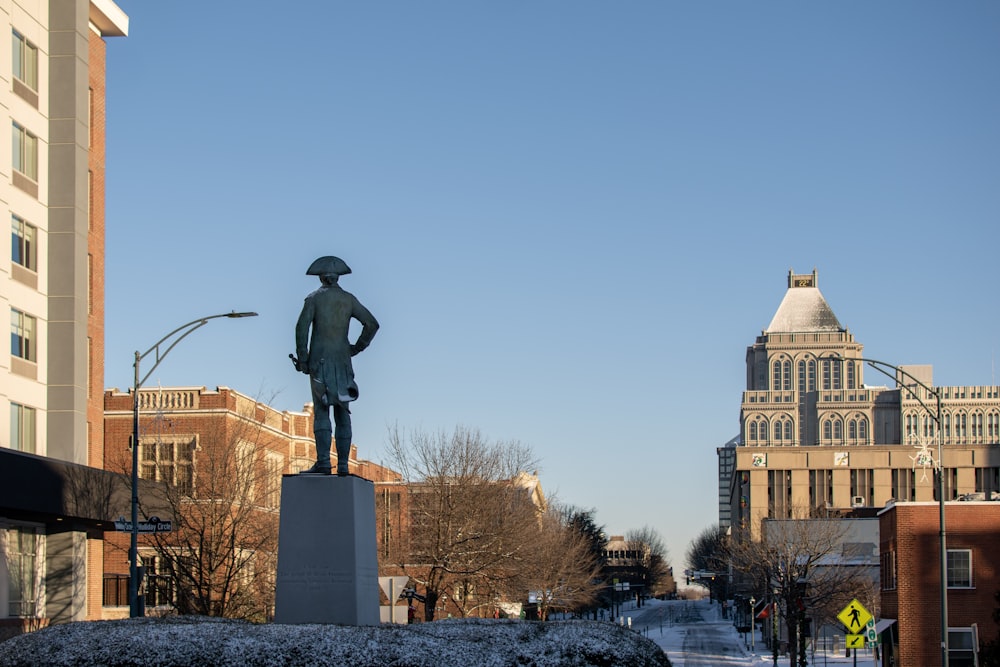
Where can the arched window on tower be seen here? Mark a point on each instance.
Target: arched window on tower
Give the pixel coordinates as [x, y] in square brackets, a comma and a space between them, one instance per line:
[836, 375]
[863, 431]
[776, 376]
[788, 431]
[993, 426]
[850, 375]
[852, 430]
[786, 371]
[827, 430]
[753, 431]
[838, 430]
[802, 377]
[827, 382]
[812, 375]
[977, 426]
[763, 431]
[778, 432]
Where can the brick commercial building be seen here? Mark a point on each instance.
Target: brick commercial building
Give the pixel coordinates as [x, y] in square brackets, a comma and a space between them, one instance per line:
[911, 583]
[52, 489]
[197, 445]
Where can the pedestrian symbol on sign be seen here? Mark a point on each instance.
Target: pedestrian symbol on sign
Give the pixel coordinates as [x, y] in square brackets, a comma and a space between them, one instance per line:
[855, 617]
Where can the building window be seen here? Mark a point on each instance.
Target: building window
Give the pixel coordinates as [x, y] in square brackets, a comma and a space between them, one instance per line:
[776, 379]
[826, 374]
[22, 428]
[22, 335]
[976, 422]
[850, 375]
[993, 427]
[863, 486]
[25, 61]
[786, 382]
[170, 461]
[812, 375]
[25, 152]
[23, 250]
[827, 430]
[949, 479]
[821, 491]
[959, 568]
[22, 566]
[888, 571]
[802, 377]
[987, 481]
[838, 430]
[904, 484]
[779, 494]
[962, 647]
[272, 495]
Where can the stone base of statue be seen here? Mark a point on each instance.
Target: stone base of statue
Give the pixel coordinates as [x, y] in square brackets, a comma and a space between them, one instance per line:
[327, 556]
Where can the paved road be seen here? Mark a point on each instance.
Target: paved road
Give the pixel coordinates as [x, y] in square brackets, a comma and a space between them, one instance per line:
[696, 637]
[693, 634]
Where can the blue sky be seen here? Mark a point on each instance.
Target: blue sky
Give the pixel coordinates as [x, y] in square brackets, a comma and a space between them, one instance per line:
[570, 218]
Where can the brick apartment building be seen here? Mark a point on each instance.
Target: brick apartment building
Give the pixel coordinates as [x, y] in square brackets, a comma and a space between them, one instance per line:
[911, 585]
[52, 488]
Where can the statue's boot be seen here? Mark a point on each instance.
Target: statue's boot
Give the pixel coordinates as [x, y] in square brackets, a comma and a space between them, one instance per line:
[322, 465]
[343, 454]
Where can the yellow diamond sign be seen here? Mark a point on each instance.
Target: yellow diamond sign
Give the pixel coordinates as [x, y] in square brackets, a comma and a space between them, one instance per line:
[855, 617]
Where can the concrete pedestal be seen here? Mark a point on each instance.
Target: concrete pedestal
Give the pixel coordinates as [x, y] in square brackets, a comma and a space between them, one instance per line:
[327, 556]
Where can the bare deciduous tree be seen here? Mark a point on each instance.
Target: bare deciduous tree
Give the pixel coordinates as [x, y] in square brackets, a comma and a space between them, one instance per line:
[564, 572]
[708, 552]
[470, 518]
[652, 563]
[803, 563]
[221, 484]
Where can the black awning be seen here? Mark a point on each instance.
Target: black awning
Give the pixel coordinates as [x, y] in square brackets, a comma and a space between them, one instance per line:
[59, 494]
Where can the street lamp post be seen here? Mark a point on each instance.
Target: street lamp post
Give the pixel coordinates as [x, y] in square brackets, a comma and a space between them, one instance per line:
[881, 367]
[178, 334]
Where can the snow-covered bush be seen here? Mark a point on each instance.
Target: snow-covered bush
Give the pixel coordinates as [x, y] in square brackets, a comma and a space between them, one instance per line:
[183, 641]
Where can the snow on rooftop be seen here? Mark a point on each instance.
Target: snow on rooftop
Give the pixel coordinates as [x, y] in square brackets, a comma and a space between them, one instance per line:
[802, 310]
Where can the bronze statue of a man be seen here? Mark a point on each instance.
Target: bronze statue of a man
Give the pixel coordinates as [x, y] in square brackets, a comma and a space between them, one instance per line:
[325, 356]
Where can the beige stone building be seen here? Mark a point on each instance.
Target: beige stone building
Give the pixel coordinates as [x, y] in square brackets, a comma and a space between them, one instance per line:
[52, 183]
[816, 439]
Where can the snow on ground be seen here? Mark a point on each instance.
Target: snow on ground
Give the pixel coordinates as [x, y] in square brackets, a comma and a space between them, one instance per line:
[183, 641]
[681, 627]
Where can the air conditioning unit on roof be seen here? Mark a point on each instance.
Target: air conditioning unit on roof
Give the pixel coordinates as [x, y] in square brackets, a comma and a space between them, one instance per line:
[858, 501]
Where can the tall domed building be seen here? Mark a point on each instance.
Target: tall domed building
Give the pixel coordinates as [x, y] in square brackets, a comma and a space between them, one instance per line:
[817, 440]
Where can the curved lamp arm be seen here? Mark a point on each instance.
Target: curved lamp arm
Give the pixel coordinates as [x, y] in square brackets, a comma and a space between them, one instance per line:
[881, 366]
[184, 330]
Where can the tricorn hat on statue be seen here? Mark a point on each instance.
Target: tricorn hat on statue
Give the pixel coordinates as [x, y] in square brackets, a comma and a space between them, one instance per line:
[328, 265]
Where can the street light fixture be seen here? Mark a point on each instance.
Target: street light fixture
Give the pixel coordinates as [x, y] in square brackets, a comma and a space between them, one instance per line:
[178, 334]
[881, 367]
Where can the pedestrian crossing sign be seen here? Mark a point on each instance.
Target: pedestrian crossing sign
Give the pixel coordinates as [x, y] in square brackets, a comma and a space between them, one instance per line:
[855, 617]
